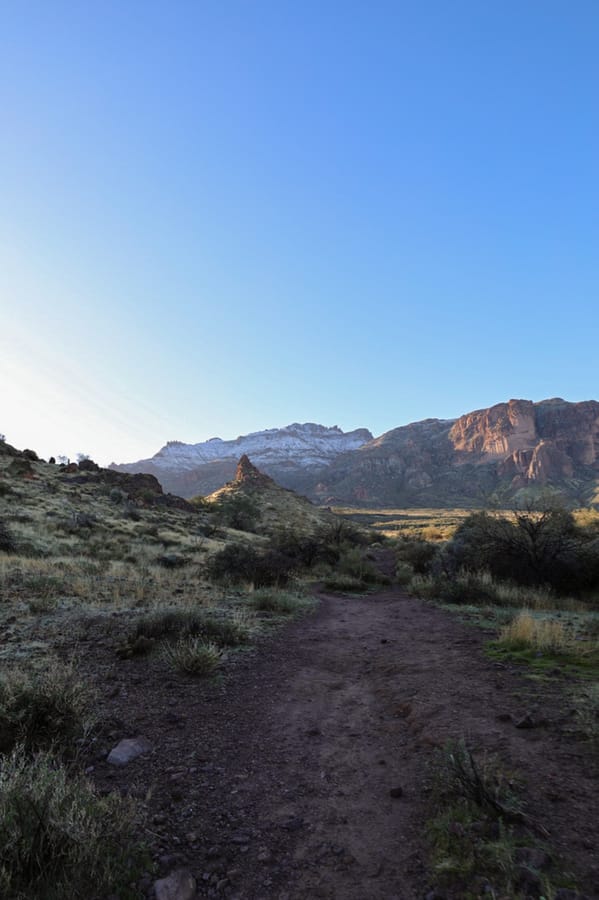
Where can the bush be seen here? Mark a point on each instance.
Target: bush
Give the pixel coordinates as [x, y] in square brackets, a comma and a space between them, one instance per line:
[239, 563]
[58, 838]
[237, 511]
[344, 584]
[226, 631]
[7, 541]
[302, 550]
[544, 548]
[286, 602]
[417, 553]
[40, 711]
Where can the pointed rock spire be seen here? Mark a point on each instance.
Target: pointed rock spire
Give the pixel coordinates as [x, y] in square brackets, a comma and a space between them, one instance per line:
[248, 473]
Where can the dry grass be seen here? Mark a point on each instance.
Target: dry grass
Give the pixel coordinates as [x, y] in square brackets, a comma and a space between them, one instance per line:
[526, 632]
[193, 656]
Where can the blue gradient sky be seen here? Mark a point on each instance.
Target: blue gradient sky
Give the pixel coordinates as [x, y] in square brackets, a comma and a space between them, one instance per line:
[217, 217]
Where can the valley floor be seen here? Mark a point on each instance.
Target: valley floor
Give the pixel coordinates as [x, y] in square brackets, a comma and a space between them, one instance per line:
[275, 782]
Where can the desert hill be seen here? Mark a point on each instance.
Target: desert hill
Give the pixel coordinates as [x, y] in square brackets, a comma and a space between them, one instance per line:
[274, 507]
[501, 454]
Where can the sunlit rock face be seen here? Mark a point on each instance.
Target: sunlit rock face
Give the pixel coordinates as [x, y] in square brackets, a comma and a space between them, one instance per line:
[484, 456]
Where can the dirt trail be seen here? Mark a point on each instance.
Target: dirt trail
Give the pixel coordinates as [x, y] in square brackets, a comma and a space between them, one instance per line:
[276, 783]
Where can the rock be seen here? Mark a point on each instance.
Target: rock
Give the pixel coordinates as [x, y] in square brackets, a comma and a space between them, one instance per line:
[396, 792]
[534, 858]
[179, 885]
[127, 750]
[526, 721]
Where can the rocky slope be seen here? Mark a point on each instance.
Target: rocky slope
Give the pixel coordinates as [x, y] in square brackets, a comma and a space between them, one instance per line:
[496, 455]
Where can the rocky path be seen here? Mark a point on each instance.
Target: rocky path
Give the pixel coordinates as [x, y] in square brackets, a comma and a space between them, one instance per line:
[302, 774]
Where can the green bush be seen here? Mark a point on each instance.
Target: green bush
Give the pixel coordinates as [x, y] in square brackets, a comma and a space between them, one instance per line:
[417, 553]
[58, 838]
[285, 602]
[237, 511]
[531, 548]
[239, 563]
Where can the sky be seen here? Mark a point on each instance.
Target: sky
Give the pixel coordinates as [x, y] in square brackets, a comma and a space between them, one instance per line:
[221, 216]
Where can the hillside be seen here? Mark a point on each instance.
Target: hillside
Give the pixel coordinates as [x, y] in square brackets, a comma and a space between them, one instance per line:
[506, 453]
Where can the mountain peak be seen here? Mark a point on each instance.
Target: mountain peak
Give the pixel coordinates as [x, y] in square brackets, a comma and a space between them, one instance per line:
[247, 473]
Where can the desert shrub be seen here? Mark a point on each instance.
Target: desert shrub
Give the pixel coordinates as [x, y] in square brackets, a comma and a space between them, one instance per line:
[31, 455]
[43, 710]
[285, 602]
[58, 838]
[237, 511]
[352, 562]
[418, 554]
[344, 583]
[7, 541]
[239, 563]
[481, 588]
[544, 548]
[224, 630]
[403, 573]
[342, 533]
[192, 655]
[302, 550]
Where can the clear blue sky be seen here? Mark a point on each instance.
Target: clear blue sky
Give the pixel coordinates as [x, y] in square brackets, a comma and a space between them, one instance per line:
[217, 217]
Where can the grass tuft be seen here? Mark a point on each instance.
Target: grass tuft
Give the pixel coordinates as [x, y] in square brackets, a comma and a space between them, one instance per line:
[276, 601]
[192, 655]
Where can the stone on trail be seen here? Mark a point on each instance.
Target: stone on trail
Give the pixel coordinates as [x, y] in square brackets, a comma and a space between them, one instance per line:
[128, 749]
[179, 885]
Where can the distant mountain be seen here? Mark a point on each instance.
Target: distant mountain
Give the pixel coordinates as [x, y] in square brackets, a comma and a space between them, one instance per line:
[290, 455]
[507, 452]
[503, 454]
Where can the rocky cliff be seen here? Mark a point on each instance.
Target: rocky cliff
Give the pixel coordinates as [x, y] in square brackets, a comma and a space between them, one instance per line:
[490, 455]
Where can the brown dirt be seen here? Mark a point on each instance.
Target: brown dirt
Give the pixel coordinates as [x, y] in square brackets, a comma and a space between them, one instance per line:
[275, 781]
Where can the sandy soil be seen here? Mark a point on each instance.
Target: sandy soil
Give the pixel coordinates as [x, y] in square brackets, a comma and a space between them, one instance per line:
[275, 782]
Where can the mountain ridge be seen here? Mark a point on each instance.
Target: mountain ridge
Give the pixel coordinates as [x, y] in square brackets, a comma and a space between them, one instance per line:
[494, 454]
